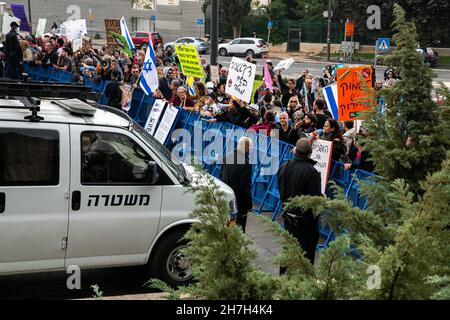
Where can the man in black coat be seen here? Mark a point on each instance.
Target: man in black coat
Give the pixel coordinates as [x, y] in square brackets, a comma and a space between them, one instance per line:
[13, 51]
[237, 173]
[295, 178]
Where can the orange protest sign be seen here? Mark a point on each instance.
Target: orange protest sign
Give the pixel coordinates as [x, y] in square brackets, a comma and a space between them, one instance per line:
[349, 29]
[351, 93]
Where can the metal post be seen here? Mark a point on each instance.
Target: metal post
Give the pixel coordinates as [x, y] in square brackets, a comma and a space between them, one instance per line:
[29, 15]
[375, 60]
[154, 22]
[214, 31]
[268, 36]
[329, 31]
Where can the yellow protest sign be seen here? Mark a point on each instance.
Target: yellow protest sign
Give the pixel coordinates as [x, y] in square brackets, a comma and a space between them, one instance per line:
[189, 60]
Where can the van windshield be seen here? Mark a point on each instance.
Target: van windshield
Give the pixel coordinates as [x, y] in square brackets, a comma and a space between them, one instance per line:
[175, 166]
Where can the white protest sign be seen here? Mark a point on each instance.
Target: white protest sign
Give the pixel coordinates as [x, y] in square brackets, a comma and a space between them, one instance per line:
[321, 152]
[74, 31]
[41, 27]
[284, 64]
[7, 19]
[214, 73]
[166, 124]
[155, 114]
[241, 77]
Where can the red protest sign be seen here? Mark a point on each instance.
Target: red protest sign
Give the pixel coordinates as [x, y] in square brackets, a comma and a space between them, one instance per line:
[351, 92]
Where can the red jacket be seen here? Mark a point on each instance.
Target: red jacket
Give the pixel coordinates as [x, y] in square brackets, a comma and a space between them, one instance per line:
[267, 126]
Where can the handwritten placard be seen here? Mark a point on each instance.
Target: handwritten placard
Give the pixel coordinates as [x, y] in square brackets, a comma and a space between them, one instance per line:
[155, 114]
[166, 125]
[351, 93]
[241, 77]
[321, 152]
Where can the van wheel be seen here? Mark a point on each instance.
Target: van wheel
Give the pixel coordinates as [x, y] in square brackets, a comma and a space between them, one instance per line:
[223, 52]
[168, 263]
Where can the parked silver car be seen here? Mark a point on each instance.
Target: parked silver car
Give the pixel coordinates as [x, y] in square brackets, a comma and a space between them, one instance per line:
[200, 44]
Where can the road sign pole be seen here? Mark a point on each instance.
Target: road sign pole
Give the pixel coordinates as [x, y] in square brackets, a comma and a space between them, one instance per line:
[375, 60]
[268, 36]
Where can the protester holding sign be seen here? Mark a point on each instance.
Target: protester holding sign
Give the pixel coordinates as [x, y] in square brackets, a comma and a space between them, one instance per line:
[351, 91]
[241, 78]
[287, 90]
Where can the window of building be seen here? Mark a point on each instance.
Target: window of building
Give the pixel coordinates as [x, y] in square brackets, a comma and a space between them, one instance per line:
[29, 157]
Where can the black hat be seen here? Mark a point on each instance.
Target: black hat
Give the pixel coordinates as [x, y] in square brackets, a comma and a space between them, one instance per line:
[14, 24]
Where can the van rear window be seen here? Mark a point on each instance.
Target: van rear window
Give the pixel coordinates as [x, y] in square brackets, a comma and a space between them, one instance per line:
[29, 157]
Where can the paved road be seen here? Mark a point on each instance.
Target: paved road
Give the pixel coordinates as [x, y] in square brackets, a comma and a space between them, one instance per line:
[113, 282]
[316, 68]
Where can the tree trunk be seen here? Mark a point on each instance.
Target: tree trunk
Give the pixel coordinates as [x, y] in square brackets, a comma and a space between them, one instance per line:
[237, 31]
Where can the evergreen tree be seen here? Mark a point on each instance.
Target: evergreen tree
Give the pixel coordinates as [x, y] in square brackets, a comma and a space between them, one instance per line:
[408, 141]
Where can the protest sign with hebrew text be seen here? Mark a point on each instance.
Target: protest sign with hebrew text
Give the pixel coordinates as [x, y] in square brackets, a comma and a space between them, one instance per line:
[241, 76]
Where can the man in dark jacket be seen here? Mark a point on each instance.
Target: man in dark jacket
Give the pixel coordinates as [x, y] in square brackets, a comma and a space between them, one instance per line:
[13, 51]
[113, 92]
[295, 178]
[237, 173]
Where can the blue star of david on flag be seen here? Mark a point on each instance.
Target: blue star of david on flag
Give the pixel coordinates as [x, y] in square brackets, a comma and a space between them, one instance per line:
[149, 76]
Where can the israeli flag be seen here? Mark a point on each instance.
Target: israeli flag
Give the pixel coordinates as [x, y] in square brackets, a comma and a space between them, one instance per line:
[149, 76]
[126, 33]
[330, 96]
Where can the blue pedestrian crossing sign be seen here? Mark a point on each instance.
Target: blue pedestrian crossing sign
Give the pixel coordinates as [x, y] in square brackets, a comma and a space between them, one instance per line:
[269, 24]
[153, 18]
[383, 44]
[200, 22]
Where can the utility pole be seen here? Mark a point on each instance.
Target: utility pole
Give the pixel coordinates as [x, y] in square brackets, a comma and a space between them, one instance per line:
[329, 31]
[214, 31]
[29, 15]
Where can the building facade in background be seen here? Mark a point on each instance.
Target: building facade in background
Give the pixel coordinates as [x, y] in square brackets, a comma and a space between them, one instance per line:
[174, 18]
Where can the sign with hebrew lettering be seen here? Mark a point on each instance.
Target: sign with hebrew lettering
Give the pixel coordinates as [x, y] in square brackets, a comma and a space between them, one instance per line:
[189, 60]
[321, 152]
[154, 116]
[241, 76]
[112, 25]
[352, 97]
[166, 125]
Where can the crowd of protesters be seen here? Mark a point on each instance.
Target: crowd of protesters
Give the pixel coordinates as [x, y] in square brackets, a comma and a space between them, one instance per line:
[291, 108]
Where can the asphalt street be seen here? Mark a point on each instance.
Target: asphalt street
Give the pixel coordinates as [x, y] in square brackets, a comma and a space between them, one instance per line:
[316, 68]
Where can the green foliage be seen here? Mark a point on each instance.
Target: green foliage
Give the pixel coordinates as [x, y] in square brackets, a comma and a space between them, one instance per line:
[218, 252]
[444, 284]
[171, 293]
[408, 141]
[98, 294]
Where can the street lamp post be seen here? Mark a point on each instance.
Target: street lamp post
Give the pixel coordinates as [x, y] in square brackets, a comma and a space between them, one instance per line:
[329, 31]
[214, 31]
[29, 15]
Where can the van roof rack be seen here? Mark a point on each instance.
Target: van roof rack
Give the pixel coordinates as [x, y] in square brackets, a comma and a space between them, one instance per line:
[47, 90]
[28, 93]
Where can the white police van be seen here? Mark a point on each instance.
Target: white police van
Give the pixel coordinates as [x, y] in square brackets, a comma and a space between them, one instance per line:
[87, 186]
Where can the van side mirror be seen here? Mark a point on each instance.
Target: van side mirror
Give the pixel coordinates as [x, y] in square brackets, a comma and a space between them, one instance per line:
[152, 172]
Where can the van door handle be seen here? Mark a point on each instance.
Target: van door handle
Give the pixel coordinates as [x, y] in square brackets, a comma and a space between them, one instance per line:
[76, 200]
[2, 202]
